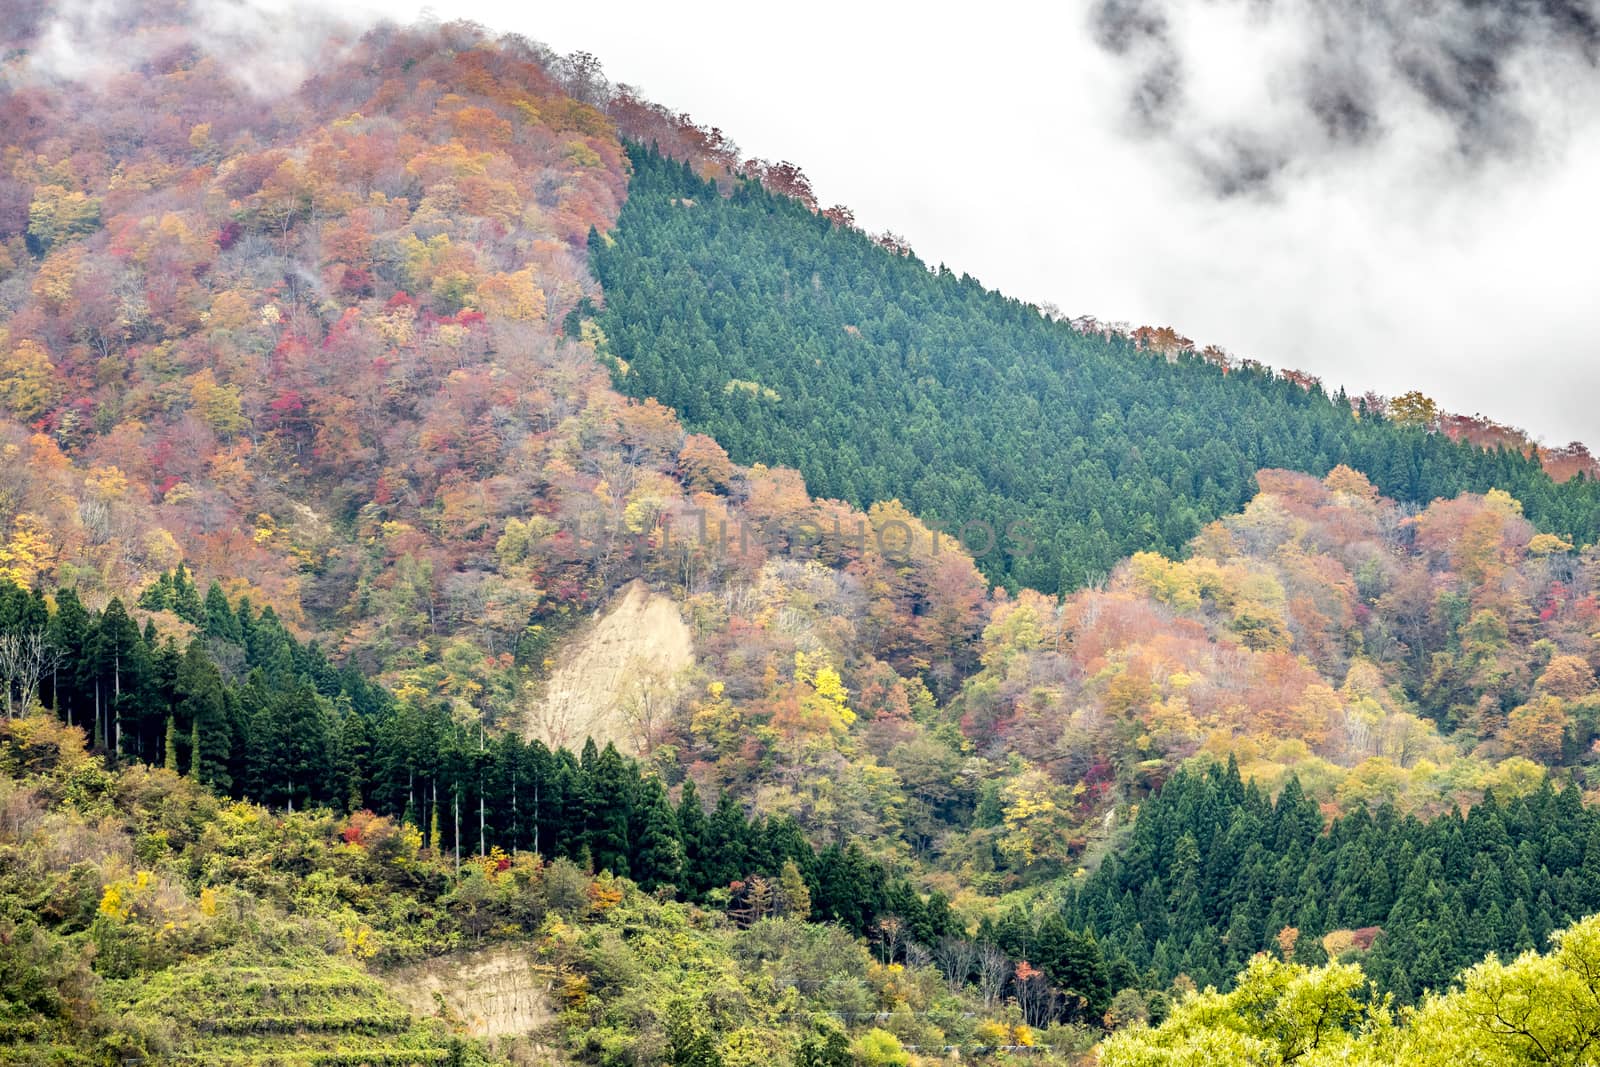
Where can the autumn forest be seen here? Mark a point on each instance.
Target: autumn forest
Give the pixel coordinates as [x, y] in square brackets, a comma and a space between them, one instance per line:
[459, 518]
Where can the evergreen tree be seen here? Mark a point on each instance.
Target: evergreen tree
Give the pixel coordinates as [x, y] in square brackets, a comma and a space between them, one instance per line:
[219, 620]
[609, 786]
[116, 661]
[202, 704]
[69, 634]
[658, 851]
[694, 832]
[354, 757]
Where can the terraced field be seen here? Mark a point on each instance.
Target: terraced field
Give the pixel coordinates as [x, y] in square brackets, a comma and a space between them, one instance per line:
[313, 1011]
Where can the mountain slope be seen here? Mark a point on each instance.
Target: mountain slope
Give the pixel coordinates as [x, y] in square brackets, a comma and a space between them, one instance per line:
[796, 341]
[313, 471]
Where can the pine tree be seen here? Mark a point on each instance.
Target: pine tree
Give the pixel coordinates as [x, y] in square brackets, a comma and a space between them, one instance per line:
[726, 844]
[658, 854]
[118, 659]
[201, 700]
[219, 620]
[1080, 970]
[609, 787]
[308, 734]
[69, 634]
[693, 832]
[185, 597]
[354, 757]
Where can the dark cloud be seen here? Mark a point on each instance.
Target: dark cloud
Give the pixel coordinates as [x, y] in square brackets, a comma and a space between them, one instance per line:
[1356, 70]
[1241, 164]
[1138, 31]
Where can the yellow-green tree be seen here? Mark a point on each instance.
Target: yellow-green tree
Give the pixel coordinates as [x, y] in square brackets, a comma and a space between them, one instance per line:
[1037, 816]
[1414, 409]
[1277, 1013]
[880, 1048]
[28, 384]
[217, 404]
[58, 214]
[1536, 1009]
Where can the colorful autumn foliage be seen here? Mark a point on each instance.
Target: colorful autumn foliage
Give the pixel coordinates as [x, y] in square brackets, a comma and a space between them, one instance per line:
[337, 354]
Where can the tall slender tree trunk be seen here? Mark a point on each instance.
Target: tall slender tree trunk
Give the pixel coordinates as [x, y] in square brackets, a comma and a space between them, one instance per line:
[55, 692]
[116, 704]
[482, 848]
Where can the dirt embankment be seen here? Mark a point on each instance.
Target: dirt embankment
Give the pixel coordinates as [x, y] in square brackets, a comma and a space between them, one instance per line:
[492, 993]
[619, 678]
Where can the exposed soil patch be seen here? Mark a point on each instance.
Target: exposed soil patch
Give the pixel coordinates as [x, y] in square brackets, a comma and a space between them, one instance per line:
[493, 993]
[619, 677]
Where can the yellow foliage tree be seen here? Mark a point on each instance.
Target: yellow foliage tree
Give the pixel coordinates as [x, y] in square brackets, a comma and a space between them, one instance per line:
[28, 554]
[1548, 545]
[1015, 628]
[217, 404]
[57, 274]
[826, 702]
[1538, 728]
[1414, 409]
[717, 722]
[1161, 579]
[1036, 817]
[512, 296]
[1568, 677]
[28, 383]
[1348, 480]
[58, 214]
[107, 483]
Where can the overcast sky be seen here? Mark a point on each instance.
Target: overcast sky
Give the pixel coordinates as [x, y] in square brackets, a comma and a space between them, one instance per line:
[1392, 195]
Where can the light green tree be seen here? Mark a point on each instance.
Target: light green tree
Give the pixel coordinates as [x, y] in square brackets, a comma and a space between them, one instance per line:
[880, 1048]
[1277, 1013]
[1537, 1009]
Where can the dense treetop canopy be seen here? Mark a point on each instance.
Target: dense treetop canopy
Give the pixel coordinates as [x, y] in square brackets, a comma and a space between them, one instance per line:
[797, 341]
